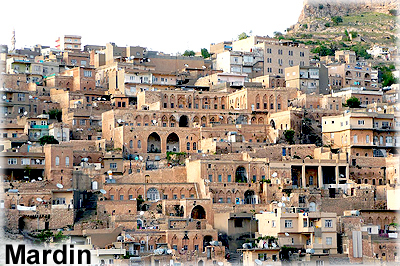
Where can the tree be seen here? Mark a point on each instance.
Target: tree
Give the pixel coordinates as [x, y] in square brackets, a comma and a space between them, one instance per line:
[336, 20]
[289, 135]
[353, 102]
[323, 50]
[189, 53]
[48, 140]
[55, 114]
[243, 36]
[205, 53]
[277, 34]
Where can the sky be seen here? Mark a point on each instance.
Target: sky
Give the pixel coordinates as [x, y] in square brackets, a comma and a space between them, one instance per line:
[169, 26]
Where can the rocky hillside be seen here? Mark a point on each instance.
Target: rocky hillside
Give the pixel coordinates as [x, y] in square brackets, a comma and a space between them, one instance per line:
[372, 20]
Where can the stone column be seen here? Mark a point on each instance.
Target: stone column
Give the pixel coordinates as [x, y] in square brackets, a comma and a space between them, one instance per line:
[337, 176]
[303, 175]
[320, 179]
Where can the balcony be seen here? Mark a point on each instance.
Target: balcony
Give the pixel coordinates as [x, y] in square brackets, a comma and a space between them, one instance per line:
[40, 126]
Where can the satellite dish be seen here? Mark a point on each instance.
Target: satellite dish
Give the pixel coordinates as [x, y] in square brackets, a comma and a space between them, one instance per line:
[37, 161]
[288, 199]
[286, 234]
[120, 238]
[25, 113]
[39, 199]
[280, 204]
[154, 121]
[370, 110]
[109, 172]
[283, 204]
[258, 262]
[283, 198]
[140, 158]
[169, 251]
[141, 212]
[274, 245]
[39, 178]
[59, 185]
[220, 263]
[341, 175]
[384, 107]
[266, 245]
[379, 109]
[4, 97]
[119, 121]
[30, 97]
[275, 174]
[102, 191]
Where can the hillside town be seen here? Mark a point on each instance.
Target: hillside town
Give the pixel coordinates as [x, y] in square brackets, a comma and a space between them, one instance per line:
[256, 152]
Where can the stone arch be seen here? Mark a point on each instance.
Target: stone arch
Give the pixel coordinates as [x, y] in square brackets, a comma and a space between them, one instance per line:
[138, 120]
[271, 102]
[198, 212]
[196, 119]
[153, 194]
[181, 101]
[154, 143]
[183, 121]
[253, 120]
[173, 142]
[203, 121]
[146, 120]
[260, 121]
[241, 175]
[250, 197]
[279, 103]
[257, 103]
[230, 120]
[172, 121]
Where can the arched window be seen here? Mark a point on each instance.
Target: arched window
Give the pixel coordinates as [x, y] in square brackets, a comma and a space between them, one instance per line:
[139, 144]
[57, 161]
[188, 146]
[153, 194]
[131, 144]
[67, 161]
[194, 146]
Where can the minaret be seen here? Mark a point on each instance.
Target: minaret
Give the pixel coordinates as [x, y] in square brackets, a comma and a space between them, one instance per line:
[13, 41]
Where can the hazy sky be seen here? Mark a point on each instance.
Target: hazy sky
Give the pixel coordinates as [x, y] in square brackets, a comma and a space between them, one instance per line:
[169, 26]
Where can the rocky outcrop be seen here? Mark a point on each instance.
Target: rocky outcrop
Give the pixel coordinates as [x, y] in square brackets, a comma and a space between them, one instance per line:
[330, 8]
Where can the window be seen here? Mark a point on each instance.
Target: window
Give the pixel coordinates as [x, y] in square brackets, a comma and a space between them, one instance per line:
[305, 223]
[139, 144]
[288, 224]
[188, 146]
[328, 223]
[273, 223]
[219, 178]
[361, 122]
[355, 139]
[329, 241]
[113, 165]
[121, 197]
[57, 161]
[238, 223]
[367, 139]
[210, 178]
[82, 122]
[194, 146]
[25, 161]
[12, 161]
[67, 161]
[229, 178]
[87, 73]
[21, 97]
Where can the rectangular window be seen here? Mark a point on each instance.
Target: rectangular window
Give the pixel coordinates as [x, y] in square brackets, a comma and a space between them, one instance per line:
[273, 223]
[113, 165]
[219, 178]
[25, 161]
[361, 122]
[328, 223]
[87, 73]
[288, 224]
[21, 97]
[238, 223]
[210, 178]
[229, 178]
[329, 241]
[121, 197]
[367, 139]
[12, 161]
[305, 223]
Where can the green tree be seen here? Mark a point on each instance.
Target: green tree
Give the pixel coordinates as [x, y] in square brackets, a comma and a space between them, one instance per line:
[243, 36]
[336, 20]
[277, 34]
[55, 114]
[387, 76]
[205, 53]
[47, 140]
[361, 51]
[353, 102]
[323, 50]
[289, 136]
[189, 53]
